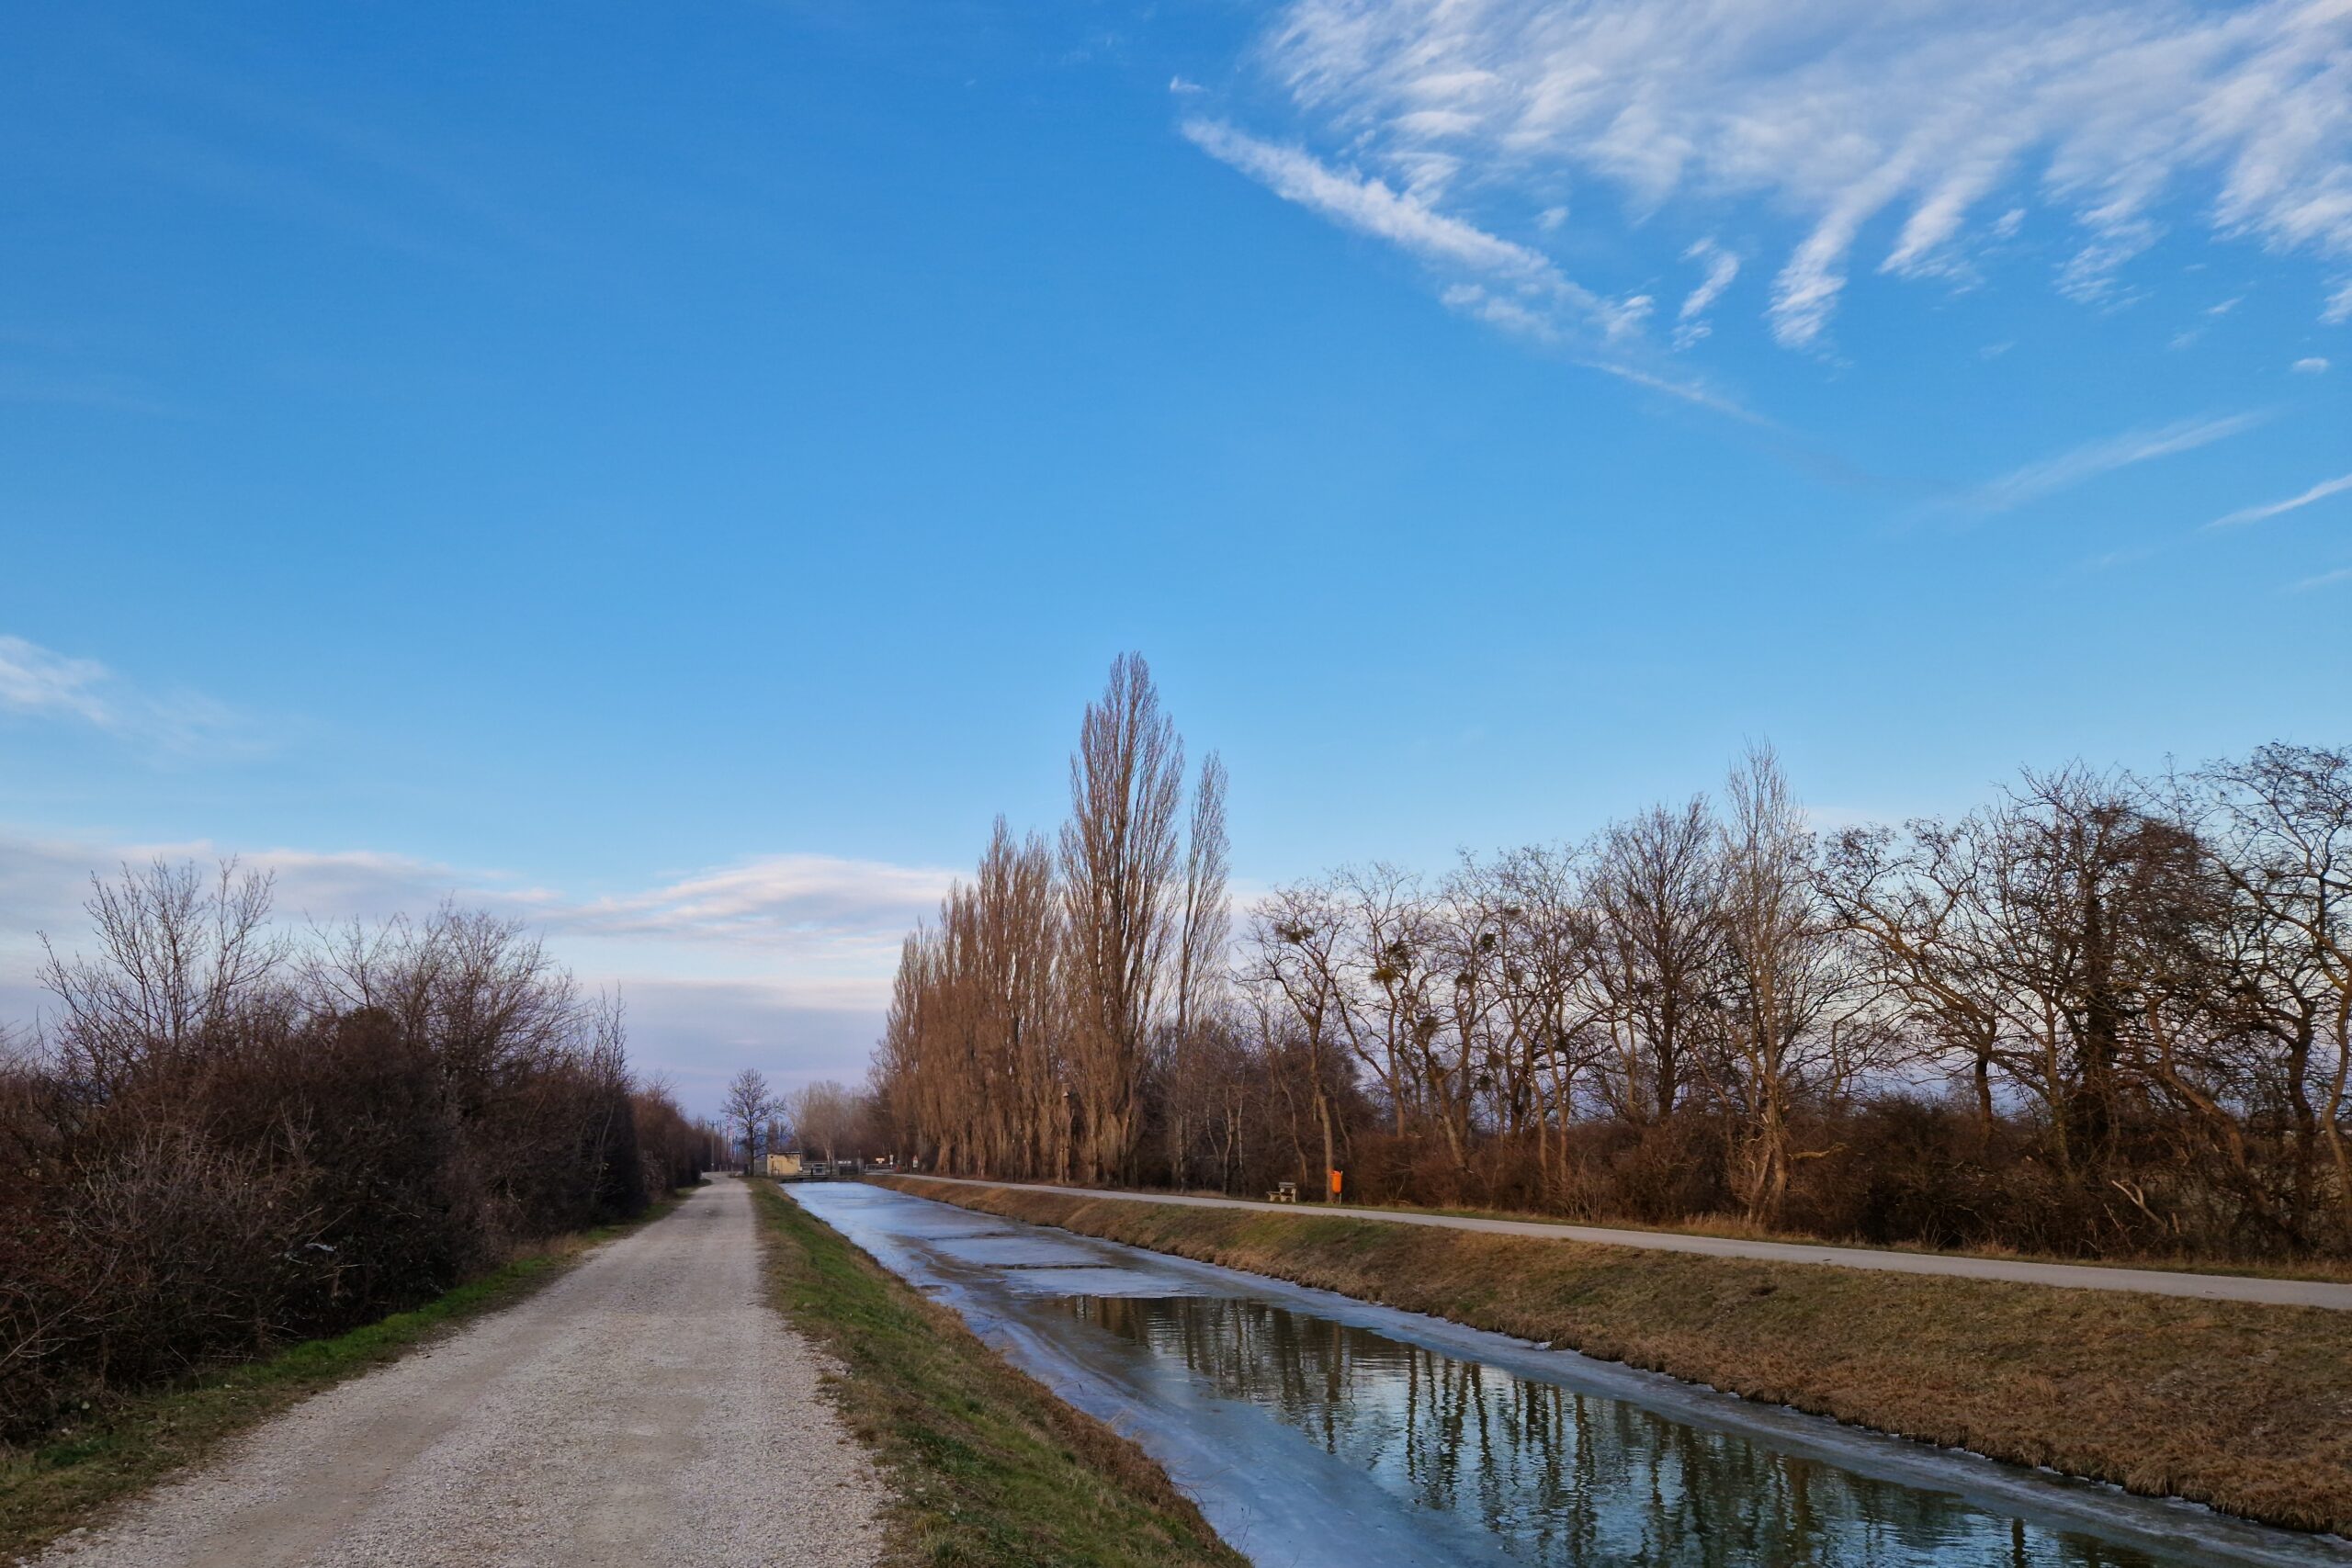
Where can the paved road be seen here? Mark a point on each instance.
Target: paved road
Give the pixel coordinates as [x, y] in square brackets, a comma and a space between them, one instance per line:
[648, 1408]
[2209, 1287]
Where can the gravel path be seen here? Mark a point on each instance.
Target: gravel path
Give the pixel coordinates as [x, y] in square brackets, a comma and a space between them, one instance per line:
[2073, 1276]
[648, 1408]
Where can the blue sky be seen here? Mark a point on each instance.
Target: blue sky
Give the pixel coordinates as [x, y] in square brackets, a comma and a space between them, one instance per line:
[676, 473]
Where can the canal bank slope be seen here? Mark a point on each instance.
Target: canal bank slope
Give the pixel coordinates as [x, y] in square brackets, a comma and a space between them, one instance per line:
[989, 1469]
[2244, 1407]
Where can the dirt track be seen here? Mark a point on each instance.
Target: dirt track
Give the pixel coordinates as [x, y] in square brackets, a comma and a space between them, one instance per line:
[2073, 1276]
[646, 1408]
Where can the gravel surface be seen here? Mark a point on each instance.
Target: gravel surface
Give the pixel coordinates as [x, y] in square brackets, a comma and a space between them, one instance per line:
[2073, 1276]
[648, 1408]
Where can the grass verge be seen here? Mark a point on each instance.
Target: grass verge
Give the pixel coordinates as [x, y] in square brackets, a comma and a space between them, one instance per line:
[991, 1469]
[1731, 1227]
[2246, 1408]
[74, 1476]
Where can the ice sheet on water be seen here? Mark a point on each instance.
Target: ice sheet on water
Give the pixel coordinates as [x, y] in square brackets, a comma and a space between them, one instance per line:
[1100, 1280]
[1030, 1251]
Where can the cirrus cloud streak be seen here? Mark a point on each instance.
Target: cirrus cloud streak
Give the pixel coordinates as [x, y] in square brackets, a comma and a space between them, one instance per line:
[1841, 114]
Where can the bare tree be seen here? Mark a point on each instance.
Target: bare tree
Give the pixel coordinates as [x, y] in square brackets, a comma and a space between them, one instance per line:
[1659, 959]
[1554, 1008]
[746, 1109]
[1794, 1027]
[1206, 917]
[1910, 901]
[2286, 815]
[829, 1118]
[181, 956]
[1014, 963]
[1118, 854]
[1293, 975]
[1204, 966]
[2042, 937]
[1459, 1050]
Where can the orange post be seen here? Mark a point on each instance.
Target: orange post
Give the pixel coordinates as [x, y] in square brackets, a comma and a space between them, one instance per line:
[1335, 1187]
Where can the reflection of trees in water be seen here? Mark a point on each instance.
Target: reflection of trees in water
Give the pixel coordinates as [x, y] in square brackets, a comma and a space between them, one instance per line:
[1565, 1477]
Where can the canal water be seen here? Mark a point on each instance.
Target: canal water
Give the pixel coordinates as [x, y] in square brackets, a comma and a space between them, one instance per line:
[1313, 1429]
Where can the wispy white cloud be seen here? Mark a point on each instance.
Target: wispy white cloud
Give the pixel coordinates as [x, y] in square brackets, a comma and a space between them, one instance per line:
[782, 961]
[823, 929]
[771, 896]
[1697, 394]
[2324, 580]
[2072, 468]
[1369, 205]
[2207, 319]
[1843, 113]
[1723, 266]
[33, 680]
[2319, 492]
[1507, 285]
[41, 683]
[2312, 366]
[45, 877]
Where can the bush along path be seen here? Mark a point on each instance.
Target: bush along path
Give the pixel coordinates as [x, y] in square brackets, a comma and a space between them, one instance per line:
[2244, 1407]
[646, 1407]
[122, 1446]
[989, 1469]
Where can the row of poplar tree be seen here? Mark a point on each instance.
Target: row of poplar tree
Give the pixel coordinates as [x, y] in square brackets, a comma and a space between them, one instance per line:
[2101, 1013]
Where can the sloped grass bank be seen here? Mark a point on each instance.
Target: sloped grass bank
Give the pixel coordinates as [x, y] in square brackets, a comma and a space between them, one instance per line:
[2246, 1408]
[990, 1470]
[71, 1478]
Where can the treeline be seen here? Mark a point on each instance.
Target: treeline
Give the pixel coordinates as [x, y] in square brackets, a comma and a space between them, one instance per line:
[2100, 1015]
[225, 1137]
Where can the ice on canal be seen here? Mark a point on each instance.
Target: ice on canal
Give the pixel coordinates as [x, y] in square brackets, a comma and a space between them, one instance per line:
[1313, 1429]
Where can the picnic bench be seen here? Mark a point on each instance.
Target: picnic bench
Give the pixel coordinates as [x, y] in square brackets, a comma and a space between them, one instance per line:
[1284, 1192]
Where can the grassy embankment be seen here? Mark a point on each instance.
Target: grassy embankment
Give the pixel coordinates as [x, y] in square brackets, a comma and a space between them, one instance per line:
[991, 1471]
[74, 1475]
[1731, 1227]
[2246, 1408]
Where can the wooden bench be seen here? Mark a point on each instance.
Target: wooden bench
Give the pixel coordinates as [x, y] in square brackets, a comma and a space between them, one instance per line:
[1284, 1192]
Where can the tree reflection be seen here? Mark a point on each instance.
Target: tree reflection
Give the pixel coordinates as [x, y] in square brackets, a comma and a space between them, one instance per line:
[1559, 1476]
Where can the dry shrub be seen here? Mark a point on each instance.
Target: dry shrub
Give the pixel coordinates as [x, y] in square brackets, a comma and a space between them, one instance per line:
[227, 1140]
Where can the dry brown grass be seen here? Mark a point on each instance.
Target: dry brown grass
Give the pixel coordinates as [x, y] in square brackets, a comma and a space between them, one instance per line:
[1735, 1227]
[2246, 1408]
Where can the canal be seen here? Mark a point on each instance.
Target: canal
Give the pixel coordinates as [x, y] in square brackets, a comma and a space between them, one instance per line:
[1313, 1429]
